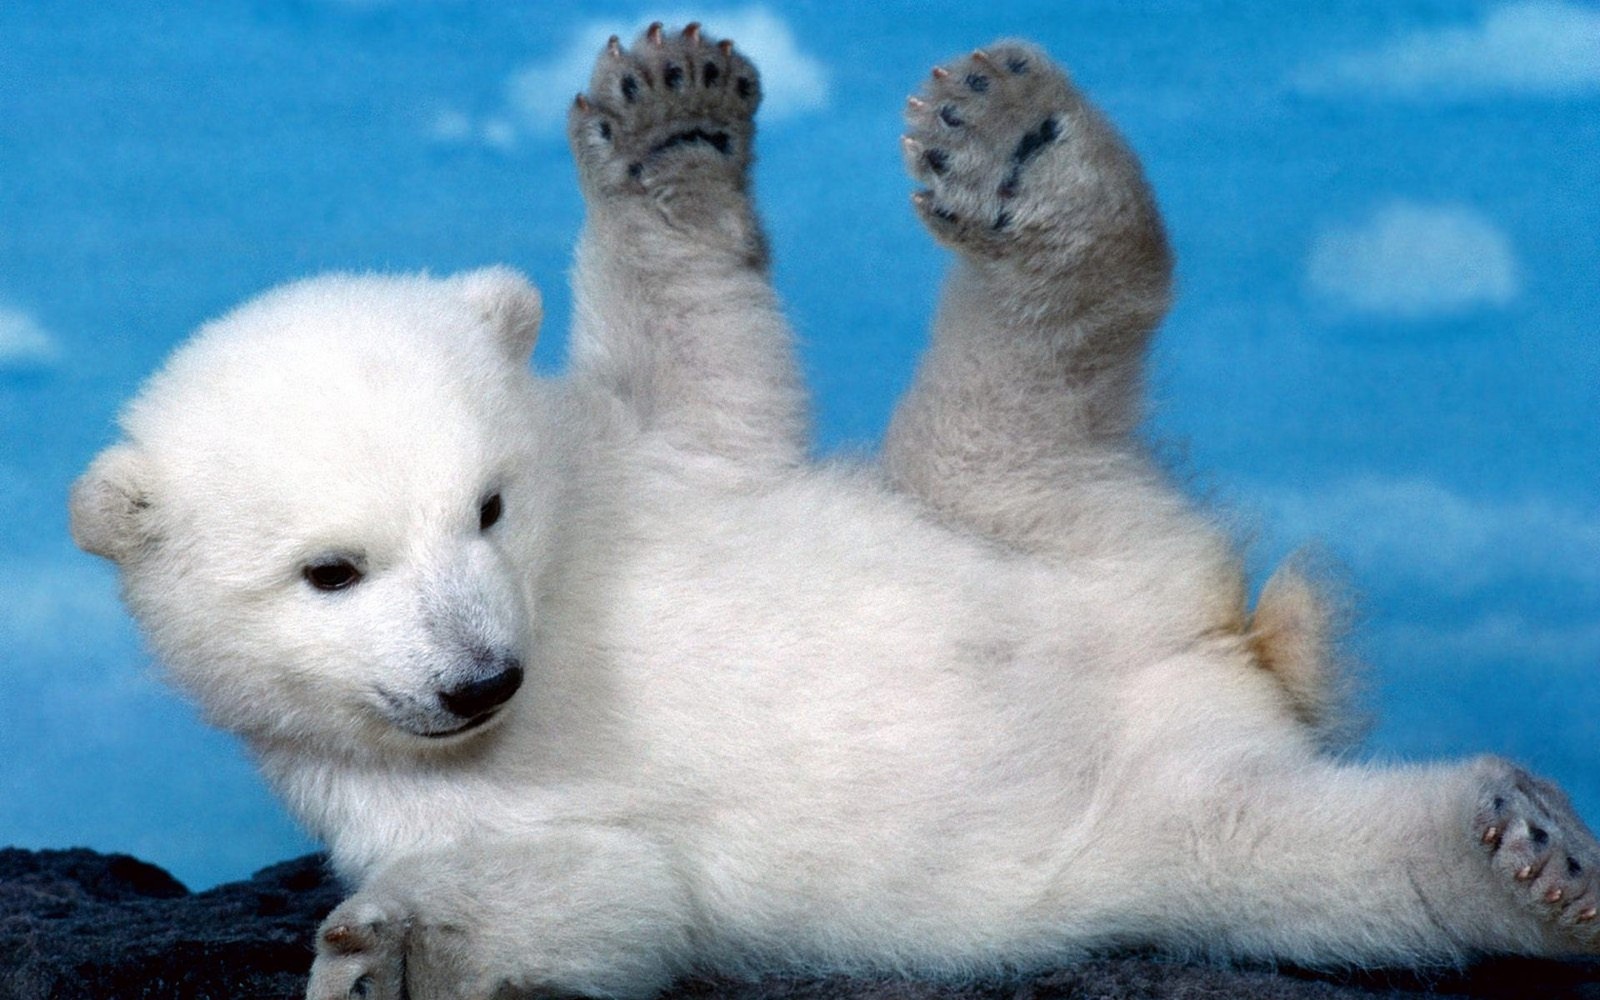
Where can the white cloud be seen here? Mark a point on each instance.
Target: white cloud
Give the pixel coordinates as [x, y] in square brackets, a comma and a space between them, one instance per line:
[539, 92]
[24, 344]
[451, 125]
[498, 132]
[1543, 48]
[1499, 637]
[537, 95]
[73, 659]
[1417, 532]
[61, 611]
[1414, 260]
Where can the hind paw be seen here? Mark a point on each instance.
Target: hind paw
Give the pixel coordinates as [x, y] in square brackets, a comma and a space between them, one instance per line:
[1539, 849]
[676, 108]
[978, 134]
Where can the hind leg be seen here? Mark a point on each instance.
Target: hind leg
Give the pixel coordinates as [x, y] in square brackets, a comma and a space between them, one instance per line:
[1020, 423]
[1337, 865]
[1220, 830]
[1031, 389]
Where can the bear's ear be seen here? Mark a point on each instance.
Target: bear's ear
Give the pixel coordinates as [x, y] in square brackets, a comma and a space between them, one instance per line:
[109, 506]
[509, 303]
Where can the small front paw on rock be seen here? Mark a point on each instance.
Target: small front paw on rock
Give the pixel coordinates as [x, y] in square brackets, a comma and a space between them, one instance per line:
[360, 955]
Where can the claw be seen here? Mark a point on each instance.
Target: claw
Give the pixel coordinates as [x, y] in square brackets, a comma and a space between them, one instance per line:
[1586, 916]
[923, 200]
[691, 31]
[726, 45]
[980, 56]
[940, 73]
[1553, 896]
[1525, 873]
[341, 939]
[581, 103]
[911, 146]
[916, 104]
[654, 33]
[1491, 835]
[614, 46]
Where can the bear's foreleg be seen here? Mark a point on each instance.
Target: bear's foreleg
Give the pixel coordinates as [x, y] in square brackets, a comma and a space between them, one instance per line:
[675, 312]
[577, 911]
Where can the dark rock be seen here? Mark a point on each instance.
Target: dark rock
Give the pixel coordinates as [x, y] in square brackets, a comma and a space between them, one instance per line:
[76, 925]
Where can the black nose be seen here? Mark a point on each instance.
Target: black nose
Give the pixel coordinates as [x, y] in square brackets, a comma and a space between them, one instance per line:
[472, 700]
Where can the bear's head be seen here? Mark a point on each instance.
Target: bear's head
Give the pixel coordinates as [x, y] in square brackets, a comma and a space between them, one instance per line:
[326, 507]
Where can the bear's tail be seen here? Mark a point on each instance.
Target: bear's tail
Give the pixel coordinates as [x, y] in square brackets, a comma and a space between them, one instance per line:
[1296, 632]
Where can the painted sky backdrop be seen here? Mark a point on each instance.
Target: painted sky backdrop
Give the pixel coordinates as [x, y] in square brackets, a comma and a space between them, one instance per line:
[1388, 233]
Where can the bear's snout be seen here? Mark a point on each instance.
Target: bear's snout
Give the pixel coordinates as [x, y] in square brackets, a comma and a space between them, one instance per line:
[477, 697]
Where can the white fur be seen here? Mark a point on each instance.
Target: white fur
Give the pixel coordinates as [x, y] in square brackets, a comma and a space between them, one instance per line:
[776, 714]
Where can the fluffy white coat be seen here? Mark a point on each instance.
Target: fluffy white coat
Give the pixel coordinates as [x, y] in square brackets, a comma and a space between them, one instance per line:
[992, 703]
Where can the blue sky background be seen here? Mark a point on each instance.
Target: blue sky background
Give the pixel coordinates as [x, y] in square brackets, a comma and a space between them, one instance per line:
[1389, 255]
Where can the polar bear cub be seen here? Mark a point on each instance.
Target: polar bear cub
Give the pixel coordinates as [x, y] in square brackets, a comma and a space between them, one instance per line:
[589, 682]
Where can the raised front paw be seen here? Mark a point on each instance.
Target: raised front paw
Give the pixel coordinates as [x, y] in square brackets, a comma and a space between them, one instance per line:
[361, 953]
[1540, 850]
[675, 109]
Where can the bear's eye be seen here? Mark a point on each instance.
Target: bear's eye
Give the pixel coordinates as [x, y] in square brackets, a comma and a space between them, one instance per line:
[332, 574]
[489, 512]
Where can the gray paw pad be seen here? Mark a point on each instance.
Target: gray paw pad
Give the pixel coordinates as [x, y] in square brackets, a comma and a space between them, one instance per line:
[976, 131]
[674, 105]
[1539, 848]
